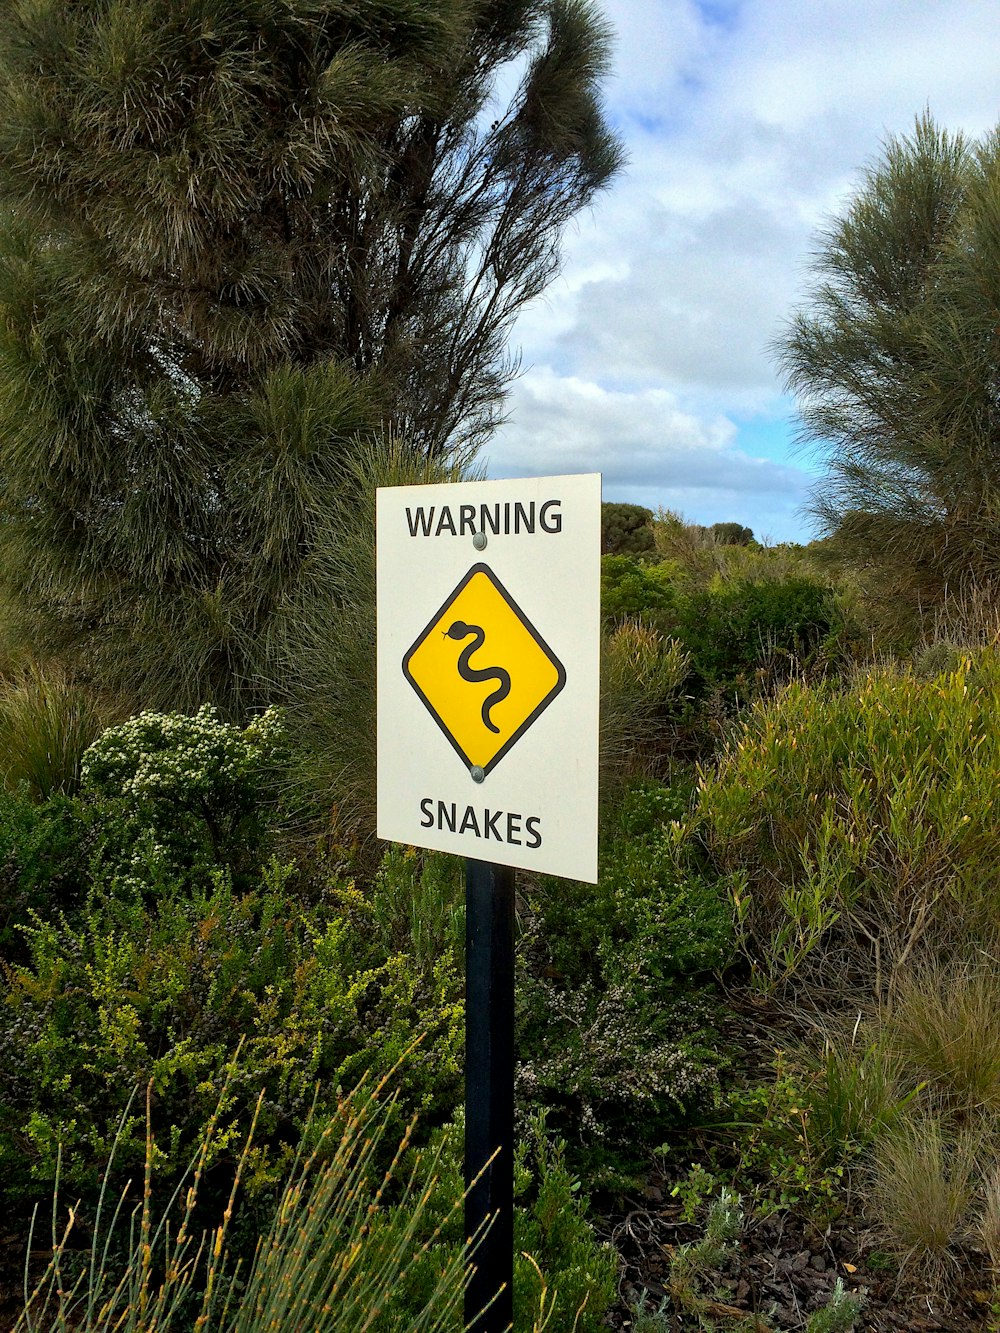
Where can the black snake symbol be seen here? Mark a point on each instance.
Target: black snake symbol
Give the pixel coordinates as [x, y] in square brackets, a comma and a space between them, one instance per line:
[460, 630]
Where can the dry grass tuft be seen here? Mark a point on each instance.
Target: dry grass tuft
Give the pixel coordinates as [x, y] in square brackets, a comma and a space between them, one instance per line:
[923, 1183]
[943, 1022]
[987, 1223]
[47, 721]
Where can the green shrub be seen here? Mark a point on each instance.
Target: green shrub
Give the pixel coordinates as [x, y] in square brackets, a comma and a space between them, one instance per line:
[44, 856]
[861, 820]
[195, 987]
[691, 1264]
[632, 590]
[551, 1226]
[647, 905]
[740, 634]
[839, 1315]
[804, 1135]
[559, 1265]
[349, 1245]
[165, 801]
[417, 904]
[703, 557]
[615, 1004]
[783, 1157]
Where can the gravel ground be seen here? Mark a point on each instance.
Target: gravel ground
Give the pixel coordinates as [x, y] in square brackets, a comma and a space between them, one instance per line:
[782, 1268]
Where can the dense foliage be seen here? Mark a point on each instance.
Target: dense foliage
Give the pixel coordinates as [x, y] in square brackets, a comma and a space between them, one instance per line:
[894, 359]
[616, 1010]
[234, 242]
[737, 633]
[156, 940]
[166, 925]
[189, 956]
[625, 529]
[862, 816]
[254, 265]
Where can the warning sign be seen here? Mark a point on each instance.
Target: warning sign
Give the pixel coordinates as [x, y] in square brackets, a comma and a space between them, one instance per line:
[489, 670]
[483, 670]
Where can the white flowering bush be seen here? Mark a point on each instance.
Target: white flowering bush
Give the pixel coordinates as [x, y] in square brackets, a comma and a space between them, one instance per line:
[182, 794]
[176, 757]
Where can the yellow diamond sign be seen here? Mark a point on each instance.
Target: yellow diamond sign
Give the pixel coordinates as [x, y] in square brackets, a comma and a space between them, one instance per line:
[482, 670]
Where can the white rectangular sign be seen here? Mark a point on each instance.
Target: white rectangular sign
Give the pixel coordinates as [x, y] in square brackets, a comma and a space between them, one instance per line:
[489, 670]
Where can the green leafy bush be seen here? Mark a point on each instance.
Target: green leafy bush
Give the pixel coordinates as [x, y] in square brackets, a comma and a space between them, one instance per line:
[781, 1155]
[616, 1000]
[551, 1226]
[164, 802]
[194, 988]
[341, 1243]
[861, 820]
[646, 904]
[348, 1246]
[44, 856]
[416, 904]
[633, 590]
[738, 632]
[559, 1265]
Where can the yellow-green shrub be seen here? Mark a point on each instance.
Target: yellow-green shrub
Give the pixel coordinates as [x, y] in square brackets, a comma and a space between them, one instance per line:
[865, 815]
[194, 990]
[641, 676]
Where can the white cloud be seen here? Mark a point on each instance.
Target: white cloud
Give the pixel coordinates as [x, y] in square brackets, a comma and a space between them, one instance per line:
[748, 123]
[644, 443]
[696, 311]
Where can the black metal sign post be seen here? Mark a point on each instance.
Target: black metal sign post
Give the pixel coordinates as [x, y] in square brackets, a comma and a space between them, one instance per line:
[489, 1092]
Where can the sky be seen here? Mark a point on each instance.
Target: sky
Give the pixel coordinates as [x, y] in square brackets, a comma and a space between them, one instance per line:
[748, 126]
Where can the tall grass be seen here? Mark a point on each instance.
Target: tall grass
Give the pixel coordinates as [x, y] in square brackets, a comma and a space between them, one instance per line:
[922, 1187]
[987, 1225]
[942, 1021]
[641, 674]
[336, 1259]
[47, 721]
[857, 1092]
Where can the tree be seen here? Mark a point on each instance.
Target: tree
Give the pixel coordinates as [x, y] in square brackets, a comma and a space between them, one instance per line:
[239, 241]
[626, 529]
[896, 362]
[731, 534]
